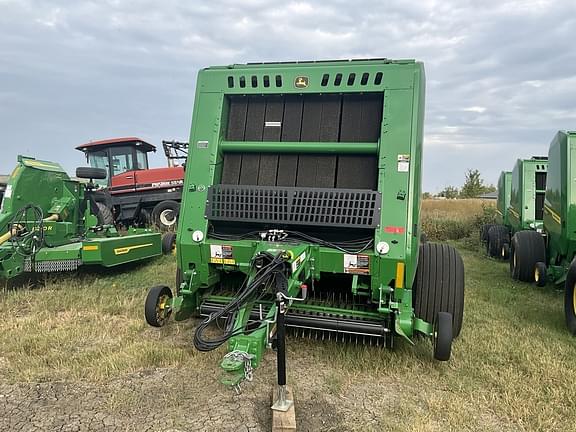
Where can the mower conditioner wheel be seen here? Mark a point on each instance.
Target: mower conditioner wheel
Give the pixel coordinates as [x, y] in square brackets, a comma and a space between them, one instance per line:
[570, 298]
[442, 336]
[498, 236]
[439, 284]
[526, 249]
[168, 243]
[156, 309]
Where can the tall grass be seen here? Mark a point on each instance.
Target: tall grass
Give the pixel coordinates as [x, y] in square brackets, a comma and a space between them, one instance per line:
[455, 219]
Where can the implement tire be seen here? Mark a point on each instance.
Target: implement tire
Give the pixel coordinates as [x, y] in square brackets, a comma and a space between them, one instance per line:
[526, 249]
[439, 284]
[155, 310]
[570, 298]
[169, 243]
[498, 236]
[484, 232]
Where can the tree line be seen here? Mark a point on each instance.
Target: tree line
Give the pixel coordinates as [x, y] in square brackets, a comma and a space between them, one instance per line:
[473, 187]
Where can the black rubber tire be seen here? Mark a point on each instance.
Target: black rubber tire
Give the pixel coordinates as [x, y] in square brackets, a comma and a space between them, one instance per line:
[423, 238]
[484, 232]
[498, 235]
[442, 336]
[168, 242]
[159, 213]
[439, 284]
[540, 276]
[570, 298]
[526, 249]
[505, 253]
[91, 173]
[104, 214]
[155, 297]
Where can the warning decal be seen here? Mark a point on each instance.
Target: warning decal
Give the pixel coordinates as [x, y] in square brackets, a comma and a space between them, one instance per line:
[221, 254]
[356, 264]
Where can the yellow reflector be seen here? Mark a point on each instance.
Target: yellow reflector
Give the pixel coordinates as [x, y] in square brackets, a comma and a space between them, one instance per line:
[90, 247]
[400, 275]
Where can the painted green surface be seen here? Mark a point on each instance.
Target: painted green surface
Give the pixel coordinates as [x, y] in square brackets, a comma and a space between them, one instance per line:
[46, 185]
[560, 203]
[522, 209]
[504, 193]
[403, 85]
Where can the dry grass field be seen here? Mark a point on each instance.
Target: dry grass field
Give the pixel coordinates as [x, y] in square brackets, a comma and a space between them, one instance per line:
[77, 355]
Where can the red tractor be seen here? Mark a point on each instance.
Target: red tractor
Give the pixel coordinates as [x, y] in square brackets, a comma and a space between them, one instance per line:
[139, 195]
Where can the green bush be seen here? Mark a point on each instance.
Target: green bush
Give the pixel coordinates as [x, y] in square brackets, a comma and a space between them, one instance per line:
[443, 226]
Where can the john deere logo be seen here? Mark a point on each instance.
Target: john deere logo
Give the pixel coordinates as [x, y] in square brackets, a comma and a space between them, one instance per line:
[301, 82]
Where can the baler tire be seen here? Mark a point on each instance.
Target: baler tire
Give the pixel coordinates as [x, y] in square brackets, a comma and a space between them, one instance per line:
[160, 210]
[104, 214]
[484, 232]
[526, 249]
[498, 235]
[168, 243]
[505, 253]
[442, 336]
[439, 284]
[154, 301]
[540, 276]
[570, 298]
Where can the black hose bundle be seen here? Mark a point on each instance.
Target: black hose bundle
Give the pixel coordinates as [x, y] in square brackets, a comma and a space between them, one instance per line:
[248, 291]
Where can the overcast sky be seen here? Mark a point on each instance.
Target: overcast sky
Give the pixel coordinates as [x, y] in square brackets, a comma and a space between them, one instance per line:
[501, 75]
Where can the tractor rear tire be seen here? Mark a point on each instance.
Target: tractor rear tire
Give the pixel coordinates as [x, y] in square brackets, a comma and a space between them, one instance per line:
[442, 336]
[570, 298]
[168, 243]
[155, 309]
[526, 249]
[484, 232]
[104, 214]
[498, 236]
[165, 215]
[439, 284]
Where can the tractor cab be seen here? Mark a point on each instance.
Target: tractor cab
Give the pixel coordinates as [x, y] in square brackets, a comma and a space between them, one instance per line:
[117, 156]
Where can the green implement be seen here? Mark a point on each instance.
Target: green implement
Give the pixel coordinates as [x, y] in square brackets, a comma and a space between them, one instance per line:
[301, 208]
[49, 223]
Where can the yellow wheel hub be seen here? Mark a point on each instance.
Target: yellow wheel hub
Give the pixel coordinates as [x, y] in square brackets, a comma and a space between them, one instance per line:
[574, 299]
[536, 275]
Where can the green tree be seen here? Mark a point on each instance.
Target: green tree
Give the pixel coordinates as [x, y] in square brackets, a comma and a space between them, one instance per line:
[473, 185]
[449, 192]
[426, 195]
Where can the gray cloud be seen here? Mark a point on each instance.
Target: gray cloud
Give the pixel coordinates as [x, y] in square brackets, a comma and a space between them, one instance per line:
[501, 74]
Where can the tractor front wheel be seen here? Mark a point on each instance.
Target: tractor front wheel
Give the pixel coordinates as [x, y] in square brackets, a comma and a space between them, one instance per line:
[157, 308]
[165, 215]
[442, 336]
[570, 298]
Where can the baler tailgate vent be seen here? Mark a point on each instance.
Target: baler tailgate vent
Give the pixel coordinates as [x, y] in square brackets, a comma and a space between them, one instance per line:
[294, 206]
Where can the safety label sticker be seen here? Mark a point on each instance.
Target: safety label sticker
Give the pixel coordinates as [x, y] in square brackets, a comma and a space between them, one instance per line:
[356, 264]
[296, 263]
[221, 254]
[403, 162]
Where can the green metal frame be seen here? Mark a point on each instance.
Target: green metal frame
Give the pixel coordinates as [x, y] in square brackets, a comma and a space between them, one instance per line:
[521, 211]
[560, 205]
[402, 83]
[70, 237]
[503, 202]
